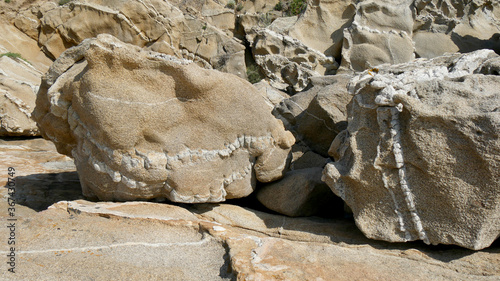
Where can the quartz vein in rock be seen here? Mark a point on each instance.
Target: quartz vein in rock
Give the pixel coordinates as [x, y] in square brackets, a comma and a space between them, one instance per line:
[144, 125]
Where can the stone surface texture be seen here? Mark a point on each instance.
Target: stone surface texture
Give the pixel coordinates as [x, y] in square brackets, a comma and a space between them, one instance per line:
[143, 113]
[300, 193]
[19, 82]
[380, 33]
[321, 26]
[59, 235]
[420, 157]
[320, 108]
[455, 26]
[285, 60]
[202, 34]
[143, 125]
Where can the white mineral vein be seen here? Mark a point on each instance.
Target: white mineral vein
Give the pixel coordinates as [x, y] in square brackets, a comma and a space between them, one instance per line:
[116, 245]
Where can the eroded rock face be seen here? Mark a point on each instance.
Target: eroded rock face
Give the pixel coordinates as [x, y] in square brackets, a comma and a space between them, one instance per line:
[420, 157]
[21, 67]
[19, 82]
[286, 61]
[322, 108]
[455, 26]
[321, 25]
[144, 125]
[204, 37]
[380, 33]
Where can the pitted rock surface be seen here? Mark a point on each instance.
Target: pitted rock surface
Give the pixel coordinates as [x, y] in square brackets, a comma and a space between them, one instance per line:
[420, 157]
[144, 125]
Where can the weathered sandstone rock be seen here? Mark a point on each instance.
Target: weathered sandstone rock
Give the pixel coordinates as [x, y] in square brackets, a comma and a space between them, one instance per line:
[380, 33]
[144, 125]
[286, 61]
[300, 193]
[15, 41]
[420, 157]
[321, 25]
[134, 22]
[19, 82]
[455, 26]
[322, 108]
[258, 6]
[272, 95]
[159, 25]
[207, 42]
[77, 239]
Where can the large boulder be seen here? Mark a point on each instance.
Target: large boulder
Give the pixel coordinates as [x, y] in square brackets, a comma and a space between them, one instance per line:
[144, 125]
[220, 241]
[420, 157]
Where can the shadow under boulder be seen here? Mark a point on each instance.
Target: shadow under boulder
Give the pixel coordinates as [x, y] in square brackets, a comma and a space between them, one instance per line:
[39, 191]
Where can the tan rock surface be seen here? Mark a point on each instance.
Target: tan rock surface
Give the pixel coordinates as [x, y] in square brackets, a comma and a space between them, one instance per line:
[19, 82]
[272, 95]
[83, 240]
[321, 26]
[451, 26]
[322, 108]
[203, 34]
[146, 125]
[300, 193]
[420, 157]
[286, 61]
[380, 33]
[13, 40]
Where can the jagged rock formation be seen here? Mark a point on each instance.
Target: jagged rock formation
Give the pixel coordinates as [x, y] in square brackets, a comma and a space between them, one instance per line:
[289, 51]
[144, 125]
[157, 24]
[19, 82]
[322, 108]
[286, 61]
[21, 67]
[455, 26]
[420, 157]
